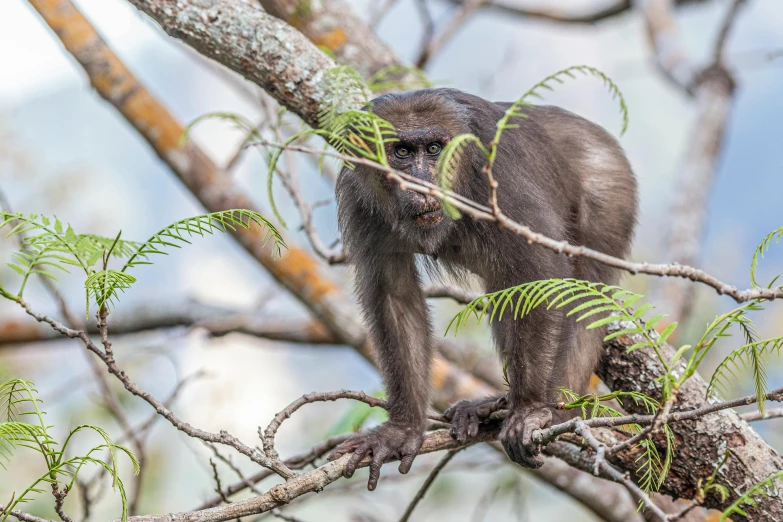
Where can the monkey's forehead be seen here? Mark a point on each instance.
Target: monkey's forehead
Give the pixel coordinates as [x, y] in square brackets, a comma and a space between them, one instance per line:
[420, 110]
[418, 134]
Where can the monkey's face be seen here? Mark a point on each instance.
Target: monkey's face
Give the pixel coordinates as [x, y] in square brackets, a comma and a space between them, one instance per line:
[416, 154]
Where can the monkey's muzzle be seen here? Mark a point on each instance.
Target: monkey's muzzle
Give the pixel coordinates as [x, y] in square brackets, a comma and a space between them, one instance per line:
[429, 216]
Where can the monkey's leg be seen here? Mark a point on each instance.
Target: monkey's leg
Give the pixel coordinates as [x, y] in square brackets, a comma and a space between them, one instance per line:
[465, 416]
[535, 360]
[397, 316]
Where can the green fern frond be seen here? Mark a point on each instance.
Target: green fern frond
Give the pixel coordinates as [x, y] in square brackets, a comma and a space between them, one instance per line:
[114, 450]
[181, 232]
[47, 244]
[763, 247]
[239, 121]
[103, 286]
[14, 434]
[747, 356]
[361, 133]
[92, 247]
[344, 90]
[593, 400]
[613, 88]
[602, 304]
[388, 79]
[19, 401]
[18, 398]
[448, 163]
[718, 329]
[652, 469]
[766, 488]
[517, 108]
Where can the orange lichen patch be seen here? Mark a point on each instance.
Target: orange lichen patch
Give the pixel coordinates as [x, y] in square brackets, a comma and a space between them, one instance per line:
[332, 40]
[317, 332]
[595, 381]
[300, 269]
[18, 331]
[109, 75]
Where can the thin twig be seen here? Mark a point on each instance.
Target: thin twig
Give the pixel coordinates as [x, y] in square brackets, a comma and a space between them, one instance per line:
[297, 462]
[381, 12]
[725, 29]
[757, 416]
[218, 486]
[22, 516]
[466, 10]
[268, 435]
[557, 14]
[221, 438]
[601, 465]
[427, 483]
[483, 213]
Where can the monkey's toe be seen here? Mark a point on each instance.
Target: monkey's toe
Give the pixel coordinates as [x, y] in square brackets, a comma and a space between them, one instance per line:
[517, 435]
[467, 416]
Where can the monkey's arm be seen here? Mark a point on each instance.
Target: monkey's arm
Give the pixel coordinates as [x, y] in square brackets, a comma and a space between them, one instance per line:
[396, 312]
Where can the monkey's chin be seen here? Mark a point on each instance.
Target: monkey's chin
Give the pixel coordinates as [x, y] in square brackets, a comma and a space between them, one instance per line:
[429, 219]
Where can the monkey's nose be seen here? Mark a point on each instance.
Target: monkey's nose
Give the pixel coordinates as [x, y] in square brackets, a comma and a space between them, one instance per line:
[425, 203]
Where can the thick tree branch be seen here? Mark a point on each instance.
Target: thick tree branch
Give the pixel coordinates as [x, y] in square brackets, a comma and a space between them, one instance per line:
[701, 441]
[333, 25]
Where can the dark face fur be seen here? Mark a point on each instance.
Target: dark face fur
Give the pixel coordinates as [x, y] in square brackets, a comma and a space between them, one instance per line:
[417, 154]
[425, 125]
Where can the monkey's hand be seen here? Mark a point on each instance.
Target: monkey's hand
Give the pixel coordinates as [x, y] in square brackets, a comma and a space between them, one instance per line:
[387, 441]
[465, 416]
[517, 434]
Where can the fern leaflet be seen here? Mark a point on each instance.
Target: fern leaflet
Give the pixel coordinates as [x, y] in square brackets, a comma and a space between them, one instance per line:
[747, 356]
[765, 488]
[583, 298]
[763, 247]
[448, 163]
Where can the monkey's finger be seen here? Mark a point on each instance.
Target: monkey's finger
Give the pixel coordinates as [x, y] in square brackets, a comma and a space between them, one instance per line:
[406, 463]
[473, 426]
[346, 447]
[455, 423]
[355, 459]
[449, 413]
[375, 468]
[463, 427]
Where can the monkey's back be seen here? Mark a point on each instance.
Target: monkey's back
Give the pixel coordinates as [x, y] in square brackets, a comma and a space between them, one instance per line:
[608, 206]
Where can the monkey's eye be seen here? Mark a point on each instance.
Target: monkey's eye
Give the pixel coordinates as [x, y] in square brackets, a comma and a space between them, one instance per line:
[433, 149]
[402, 152]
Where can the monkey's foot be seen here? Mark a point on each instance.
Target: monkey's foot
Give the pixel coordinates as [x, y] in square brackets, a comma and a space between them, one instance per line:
[465, 416]
[517, 435]
[387, 441]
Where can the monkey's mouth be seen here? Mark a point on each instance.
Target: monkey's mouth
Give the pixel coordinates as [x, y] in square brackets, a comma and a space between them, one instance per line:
[429, 217]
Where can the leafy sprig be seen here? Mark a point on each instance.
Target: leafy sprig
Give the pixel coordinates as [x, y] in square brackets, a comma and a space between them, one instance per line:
[758, 254]
[765, 488]
[18, 402]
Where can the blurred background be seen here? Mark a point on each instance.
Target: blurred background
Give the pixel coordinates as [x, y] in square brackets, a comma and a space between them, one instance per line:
[64, 151]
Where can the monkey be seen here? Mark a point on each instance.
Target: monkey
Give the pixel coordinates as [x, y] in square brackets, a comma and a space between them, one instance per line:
[557, 173]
